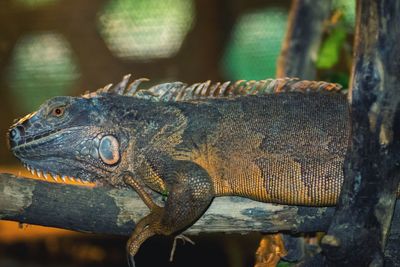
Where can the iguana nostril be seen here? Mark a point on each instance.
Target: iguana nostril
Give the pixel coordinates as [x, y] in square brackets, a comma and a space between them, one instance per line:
[15, 134]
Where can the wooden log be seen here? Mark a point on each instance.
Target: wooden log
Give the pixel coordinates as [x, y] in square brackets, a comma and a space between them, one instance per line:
[105, 210]
[359, 230]
[114, 211]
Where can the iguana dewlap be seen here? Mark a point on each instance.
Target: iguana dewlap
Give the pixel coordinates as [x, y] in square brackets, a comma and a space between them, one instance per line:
[281, 141]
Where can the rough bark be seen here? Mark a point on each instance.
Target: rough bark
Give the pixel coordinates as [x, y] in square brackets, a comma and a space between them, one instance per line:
[115, 211]
[303, 38]
[358, 234]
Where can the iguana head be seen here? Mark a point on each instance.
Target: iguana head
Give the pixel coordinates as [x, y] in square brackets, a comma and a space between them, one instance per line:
[72, 137]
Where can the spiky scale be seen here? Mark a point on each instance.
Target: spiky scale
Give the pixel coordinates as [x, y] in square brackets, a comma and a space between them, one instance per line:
[120, 87]
[106, 89]
[133, 87]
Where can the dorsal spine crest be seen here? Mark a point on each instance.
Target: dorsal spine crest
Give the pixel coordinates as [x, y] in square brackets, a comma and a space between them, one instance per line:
[179, 91]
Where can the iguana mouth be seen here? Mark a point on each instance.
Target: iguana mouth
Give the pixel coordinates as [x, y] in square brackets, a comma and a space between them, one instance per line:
[29, 142]
[42, 153]
[67, 170]
[46, 151]
[56, 177]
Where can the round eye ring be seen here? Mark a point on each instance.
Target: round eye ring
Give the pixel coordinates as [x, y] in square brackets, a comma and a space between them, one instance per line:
[58, 111]
[109, 150]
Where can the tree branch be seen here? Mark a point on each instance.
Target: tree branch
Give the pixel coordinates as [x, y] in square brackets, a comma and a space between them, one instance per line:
[115, 211]
[303, 39]
[359, 230]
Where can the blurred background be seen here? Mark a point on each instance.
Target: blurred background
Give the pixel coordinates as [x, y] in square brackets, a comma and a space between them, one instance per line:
[65, 47]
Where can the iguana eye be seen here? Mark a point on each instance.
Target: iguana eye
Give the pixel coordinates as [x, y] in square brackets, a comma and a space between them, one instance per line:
[58, 111]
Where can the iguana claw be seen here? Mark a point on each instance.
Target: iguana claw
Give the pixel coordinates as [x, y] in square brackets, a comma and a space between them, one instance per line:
[131, 260]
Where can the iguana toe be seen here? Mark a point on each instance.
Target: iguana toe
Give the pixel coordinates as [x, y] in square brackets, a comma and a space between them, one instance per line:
[130, 260]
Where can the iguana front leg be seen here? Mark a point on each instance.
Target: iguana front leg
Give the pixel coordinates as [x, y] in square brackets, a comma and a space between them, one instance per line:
[190, 193]
[141, 232]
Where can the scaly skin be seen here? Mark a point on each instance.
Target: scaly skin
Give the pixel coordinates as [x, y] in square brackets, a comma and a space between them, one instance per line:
[193, 145]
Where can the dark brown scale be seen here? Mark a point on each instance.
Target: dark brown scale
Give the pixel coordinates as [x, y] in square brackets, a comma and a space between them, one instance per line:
[285, 148]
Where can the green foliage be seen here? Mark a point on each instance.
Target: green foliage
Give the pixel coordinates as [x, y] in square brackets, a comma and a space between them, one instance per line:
[334, 58]
[283, 263]
[336, 76]
[348, 11]
[330, 50]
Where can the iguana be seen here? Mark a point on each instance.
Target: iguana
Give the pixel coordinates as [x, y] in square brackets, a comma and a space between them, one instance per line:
[275, 140]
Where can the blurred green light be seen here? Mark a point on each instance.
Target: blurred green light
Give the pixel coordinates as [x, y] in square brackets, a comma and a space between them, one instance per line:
[255, 44]
[42, 66]
[146, 29]
[35, 3]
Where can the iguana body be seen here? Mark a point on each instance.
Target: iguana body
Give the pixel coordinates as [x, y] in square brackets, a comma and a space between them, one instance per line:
[281, 141]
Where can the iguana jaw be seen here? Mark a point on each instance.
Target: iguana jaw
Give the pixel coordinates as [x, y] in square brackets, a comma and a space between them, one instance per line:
[60, 175]
[71, 153]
